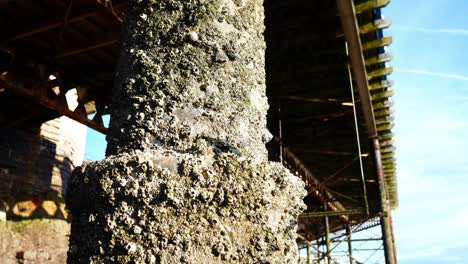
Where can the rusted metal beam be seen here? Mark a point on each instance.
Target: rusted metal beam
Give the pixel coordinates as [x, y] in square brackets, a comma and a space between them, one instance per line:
[312, 183]
[357, 180]
[350, 27]
[87, 48]
[351, 33]
[327, 236]
[350, 244]
[361, 249]
[314, 100]
[384, 206]
[329, 152]
[65, 22]
[332, 213]
[110, 6]
[339, 171]
[53, 105]
[360, 239]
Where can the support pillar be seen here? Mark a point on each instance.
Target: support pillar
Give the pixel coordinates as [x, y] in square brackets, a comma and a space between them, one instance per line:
[385, 211]
[327, 235]
[186, 178]
[318, 248]
[350, 244]
[393, 236]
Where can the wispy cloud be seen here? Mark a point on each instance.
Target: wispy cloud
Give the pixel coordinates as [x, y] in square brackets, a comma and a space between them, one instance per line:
[451, 31]
[435, 74]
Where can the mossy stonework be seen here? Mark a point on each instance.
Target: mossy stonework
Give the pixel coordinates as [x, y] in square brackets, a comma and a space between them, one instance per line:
[187, 178]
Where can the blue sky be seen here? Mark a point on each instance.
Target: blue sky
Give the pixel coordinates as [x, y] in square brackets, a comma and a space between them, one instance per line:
[96, 143]
[431, 108]
[430, 42]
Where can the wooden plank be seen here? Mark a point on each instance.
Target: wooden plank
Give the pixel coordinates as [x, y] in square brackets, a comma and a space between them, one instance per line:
[370, 5]
[380, 85]
[381, 95]
[381, 58]
[374, 26]
[369, 27]
[378, 43]
[380, 72]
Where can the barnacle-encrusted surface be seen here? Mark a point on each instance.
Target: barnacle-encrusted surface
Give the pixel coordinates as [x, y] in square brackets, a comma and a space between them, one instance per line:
[167, 207]
[187, 178]
[191, 75]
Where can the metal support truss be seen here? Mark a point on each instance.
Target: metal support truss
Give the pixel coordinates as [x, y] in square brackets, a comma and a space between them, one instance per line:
[351, 31]
[356, 244]
[56, 103]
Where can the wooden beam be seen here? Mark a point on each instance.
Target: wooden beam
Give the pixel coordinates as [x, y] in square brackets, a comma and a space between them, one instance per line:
[369, 27]
[381, 58]
[374, 26]
[370, 5]
[381, 95]
[378, 43]
[380, 72]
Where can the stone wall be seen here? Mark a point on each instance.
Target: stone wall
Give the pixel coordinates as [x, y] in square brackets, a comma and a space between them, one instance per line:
[35, 168]
[34, 242]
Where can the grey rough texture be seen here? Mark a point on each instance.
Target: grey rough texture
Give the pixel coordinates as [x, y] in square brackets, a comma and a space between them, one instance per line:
[167, 207]
[190, 95]
[187, 179]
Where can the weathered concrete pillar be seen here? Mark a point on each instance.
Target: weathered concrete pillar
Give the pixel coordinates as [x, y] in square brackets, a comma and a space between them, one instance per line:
[187, 179]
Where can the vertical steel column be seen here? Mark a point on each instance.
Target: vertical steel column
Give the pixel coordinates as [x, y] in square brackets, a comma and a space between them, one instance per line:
[393, 235]
[350, 248]
[327, 235]
[308, 253]
[385, 223]
[351, 32]
[318, 248]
